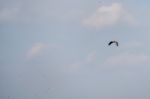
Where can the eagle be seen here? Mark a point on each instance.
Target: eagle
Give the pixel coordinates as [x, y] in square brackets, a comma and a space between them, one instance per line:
[117, 44]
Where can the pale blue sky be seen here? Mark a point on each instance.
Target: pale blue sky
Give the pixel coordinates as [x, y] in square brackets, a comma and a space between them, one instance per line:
[57, 49]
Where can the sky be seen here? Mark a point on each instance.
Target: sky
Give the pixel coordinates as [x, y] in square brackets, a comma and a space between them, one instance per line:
[58, 49]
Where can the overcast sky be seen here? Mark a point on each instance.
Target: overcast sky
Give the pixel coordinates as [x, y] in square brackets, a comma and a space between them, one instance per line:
[57, 49]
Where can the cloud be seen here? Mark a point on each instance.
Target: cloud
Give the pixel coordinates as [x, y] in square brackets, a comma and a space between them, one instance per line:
[127, 59]
[35, 50]
[108, 16]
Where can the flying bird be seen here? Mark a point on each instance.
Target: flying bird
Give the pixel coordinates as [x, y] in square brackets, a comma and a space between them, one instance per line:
[113, 42]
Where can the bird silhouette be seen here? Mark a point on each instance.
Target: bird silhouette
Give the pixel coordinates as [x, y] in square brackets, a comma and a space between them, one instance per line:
[117, 44]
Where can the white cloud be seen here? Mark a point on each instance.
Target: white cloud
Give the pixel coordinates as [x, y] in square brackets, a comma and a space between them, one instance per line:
[35, 50]
[108, 16]
[127, 59]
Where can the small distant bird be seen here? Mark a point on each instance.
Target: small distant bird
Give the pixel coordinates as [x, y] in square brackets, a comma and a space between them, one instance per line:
[113, 42]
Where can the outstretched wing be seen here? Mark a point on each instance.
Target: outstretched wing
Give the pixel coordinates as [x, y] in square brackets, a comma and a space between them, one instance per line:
[117, 44]
[110, 43]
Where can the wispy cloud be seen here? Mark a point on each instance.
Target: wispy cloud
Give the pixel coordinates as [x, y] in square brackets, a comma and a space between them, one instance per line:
[108, 15]
[35, 50]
